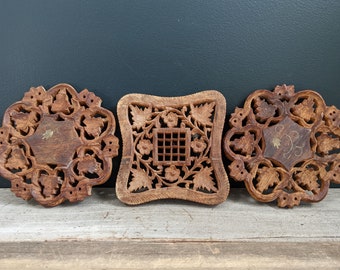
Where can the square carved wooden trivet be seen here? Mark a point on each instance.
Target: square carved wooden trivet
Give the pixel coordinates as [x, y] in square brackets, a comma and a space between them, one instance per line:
[285, 146]
[56, 144]
[172, 148]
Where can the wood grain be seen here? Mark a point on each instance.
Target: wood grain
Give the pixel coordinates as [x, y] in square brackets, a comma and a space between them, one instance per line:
[103, 233]
[169, 255]
[56, 144]
[285, 146]
[103, 217]
[172, 148]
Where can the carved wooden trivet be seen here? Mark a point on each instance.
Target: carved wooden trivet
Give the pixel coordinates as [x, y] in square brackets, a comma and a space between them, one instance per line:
[172, 148]
[56, 144]
[285, 146]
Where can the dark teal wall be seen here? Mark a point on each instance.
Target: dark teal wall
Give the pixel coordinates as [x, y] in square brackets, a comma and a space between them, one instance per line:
[169, 47]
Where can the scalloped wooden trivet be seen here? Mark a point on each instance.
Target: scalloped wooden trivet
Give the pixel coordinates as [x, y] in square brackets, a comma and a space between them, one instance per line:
[172, 148]
[56, 144]
[285, 146]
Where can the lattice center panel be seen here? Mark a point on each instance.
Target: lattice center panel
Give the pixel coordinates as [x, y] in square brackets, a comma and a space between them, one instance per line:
[172, 146]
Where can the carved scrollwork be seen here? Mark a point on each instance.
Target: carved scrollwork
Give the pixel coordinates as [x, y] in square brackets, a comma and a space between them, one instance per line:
[56, 144]
[171, 148]
[285, 146]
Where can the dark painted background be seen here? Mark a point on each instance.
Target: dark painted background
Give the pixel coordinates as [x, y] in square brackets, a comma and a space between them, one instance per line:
[169, 48]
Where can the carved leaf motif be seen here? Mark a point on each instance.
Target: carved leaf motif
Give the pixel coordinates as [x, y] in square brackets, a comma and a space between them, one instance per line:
[245, 144]
[139, 116]
[61, 104]
[50, 184]
[263, 109]
[203, 180]
[267, 177]
[308, 179]
[17, 160]
[203, 112]
[94, 125]
[88, 165]
[304, 109]
[326, 143]
[139, 180]
[23, 121]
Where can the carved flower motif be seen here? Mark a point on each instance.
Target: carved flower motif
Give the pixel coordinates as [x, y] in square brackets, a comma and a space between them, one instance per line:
[59, 116]
[237, 117]
[111, 146]
[172, 173]
[89, 98]
[279, 163]
[145, 147]
[35, 94]
[198, 145]
[171, 119]
[284, 90]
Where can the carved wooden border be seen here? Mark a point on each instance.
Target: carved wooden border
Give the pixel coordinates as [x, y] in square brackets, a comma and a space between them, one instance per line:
[285, 146]
[192, 167]
[56, 144]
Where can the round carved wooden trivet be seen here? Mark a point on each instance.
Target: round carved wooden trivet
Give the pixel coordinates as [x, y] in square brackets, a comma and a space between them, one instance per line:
[172, 148]
[285, 146]
[56, 144]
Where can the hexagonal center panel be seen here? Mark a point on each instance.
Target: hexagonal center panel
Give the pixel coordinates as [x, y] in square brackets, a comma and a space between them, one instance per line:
[54, 142]
[287, 142]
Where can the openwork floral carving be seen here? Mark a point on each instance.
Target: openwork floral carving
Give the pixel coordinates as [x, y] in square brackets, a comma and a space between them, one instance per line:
[56, 144]
[285, 146]
[171, 148]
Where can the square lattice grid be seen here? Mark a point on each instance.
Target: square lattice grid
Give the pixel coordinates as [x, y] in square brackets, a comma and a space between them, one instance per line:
[171, 146]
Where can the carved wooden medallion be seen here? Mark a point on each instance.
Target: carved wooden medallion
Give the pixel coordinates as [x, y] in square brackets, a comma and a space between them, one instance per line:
[56, 144]
[285, 146]
[172, 148]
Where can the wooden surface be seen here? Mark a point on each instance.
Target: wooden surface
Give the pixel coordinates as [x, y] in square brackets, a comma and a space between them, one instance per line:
[172, 148]
[103, 233]
[284, 145]
[56, 144]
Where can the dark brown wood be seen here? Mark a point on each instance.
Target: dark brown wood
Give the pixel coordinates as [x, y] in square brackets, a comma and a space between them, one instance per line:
[287, 143]
[172, 148]
[285, 146]
[56, 144]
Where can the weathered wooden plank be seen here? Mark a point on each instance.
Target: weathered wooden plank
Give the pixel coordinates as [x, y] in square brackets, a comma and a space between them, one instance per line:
[103, 217]
[169, 255]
